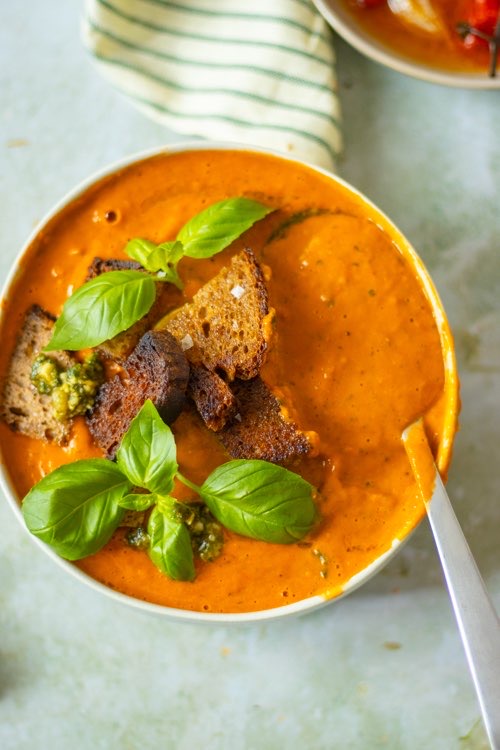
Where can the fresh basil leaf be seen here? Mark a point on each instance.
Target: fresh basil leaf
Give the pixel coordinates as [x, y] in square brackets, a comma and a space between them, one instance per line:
[165, 255]
[76, 507]
[260, 500]
[217, 226]
[101, 308]
[137, 502]
[160, 259]
[140, 250]
[147, 453]
[165, 258]
[170, 548]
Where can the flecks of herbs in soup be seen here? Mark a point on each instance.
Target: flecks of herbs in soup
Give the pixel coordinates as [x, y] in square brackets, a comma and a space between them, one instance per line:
[356, 356]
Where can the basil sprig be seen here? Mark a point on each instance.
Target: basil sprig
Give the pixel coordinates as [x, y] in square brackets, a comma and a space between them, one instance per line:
[77, 507]
[160, 259]
[114, 301]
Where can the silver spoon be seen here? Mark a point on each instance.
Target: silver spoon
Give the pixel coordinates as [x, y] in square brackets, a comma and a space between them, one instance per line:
[477, 619]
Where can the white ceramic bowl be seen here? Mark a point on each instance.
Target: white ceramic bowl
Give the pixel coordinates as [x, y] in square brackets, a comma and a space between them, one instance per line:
[444, 452]
[339, 18]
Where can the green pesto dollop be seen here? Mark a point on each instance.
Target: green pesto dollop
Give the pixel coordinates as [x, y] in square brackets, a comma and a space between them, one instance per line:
[72, 391]
[45, 374]
[207, 536]
[137, 538]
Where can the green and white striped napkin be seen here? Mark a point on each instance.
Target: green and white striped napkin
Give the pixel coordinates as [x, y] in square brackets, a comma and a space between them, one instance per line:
[260, 73]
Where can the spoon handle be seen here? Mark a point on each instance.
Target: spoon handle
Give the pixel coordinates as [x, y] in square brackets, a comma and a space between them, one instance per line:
[476, 617]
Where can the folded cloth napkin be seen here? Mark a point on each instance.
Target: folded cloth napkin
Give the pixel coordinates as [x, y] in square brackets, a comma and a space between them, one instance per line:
[259, 73]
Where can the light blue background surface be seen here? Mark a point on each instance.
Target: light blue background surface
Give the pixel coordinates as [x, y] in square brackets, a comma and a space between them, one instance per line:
[383, 668]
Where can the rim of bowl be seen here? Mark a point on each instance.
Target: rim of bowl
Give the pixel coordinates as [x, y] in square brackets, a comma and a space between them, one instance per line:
[338, 18]
[451, 389]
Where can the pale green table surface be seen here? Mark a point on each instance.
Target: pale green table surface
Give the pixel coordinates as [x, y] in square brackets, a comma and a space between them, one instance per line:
[384, 667]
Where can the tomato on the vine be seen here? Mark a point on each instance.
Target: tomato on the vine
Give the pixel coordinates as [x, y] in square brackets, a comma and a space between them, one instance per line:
[482, 15]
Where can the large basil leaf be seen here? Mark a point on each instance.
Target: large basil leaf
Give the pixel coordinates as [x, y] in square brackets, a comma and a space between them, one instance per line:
[260, 500]
[76, 508]
[170, 547]
[147, 453]
[101, 308]
[217, 226]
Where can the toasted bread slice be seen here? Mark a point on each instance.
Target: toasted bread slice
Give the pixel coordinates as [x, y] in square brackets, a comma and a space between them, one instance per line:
[23, 408]
[157, 370]
[167, 297]
[227, 326]
[261, 429]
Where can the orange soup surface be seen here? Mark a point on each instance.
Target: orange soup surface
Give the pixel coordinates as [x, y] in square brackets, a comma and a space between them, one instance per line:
[356, 355]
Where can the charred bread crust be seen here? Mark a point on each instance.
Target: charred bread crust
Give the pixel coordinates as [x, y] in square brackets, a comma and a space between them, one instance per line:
[103, 265]
[226, 327]
[167, 297]
[23, 408]
[260, 429]
[157, 370]
[212, 397]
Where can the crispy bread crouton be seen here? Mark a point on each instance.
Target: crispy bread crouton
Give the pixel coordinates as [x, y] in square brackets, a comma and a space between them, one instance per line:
[260, 429]
[212, 397]
[102, 265]
[23, 408]
[226, 327]
[167, 296]
[157, 370]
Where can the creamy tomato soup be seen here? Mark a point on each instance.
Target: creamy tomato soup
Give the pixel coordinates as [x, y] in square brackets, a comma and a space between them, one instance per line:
[357, 355]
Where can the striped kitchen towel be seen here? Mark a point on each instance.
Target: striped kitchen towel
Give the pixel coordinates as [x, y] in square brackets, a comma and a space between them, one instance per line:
[260, 73]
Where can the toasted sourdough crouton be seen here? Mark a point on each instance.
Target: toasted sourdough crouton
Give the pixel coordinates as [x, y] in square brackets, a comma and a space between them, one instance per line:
[102, 265]
[167, 296]
[261, 429]
[23, 408]
[212, 396]
[225, 330]
[227, 325]
[157, 370]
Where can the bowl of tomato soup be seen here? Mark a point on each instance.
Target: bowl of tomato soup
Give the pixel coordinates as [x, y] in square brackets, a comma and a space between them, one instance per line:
[440, 41]
[360, 348]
